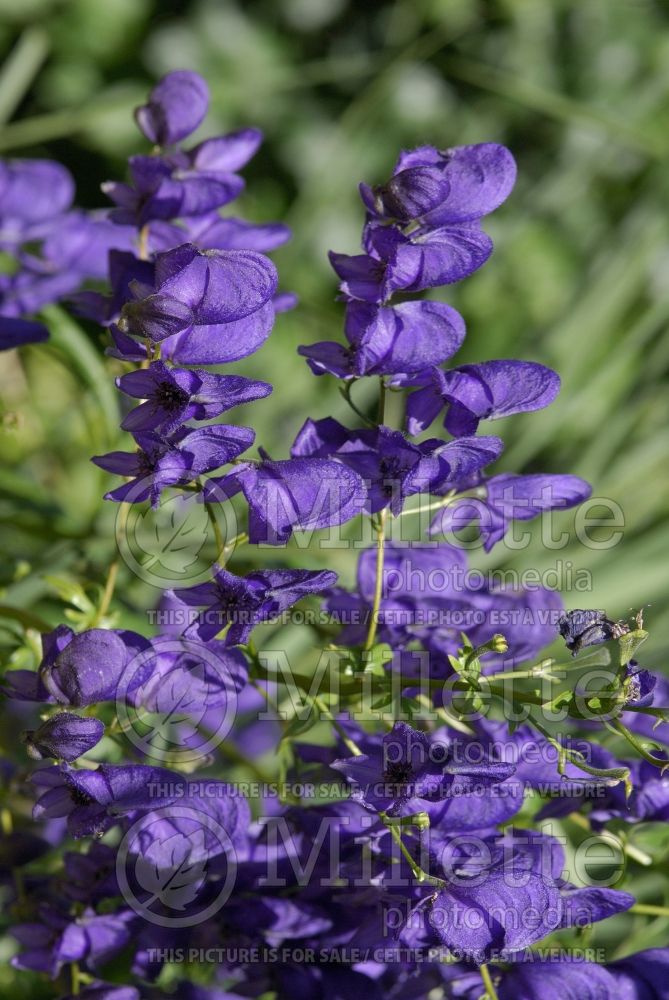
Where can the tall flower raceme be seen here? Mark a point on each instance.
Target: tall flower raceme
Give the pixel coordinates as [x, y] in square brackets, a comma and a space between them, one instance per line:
[392, 851]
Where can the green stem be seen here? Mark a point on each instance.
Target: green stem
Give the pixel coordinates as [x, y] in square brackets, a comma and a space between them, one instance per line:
[381, 415]
[20, 69]
[341, 732]
[76, 981]
[491, 992]
[107, 594]
[378, 587]
[345, 390]
[389, 822]
[220, 541]
[618, 727]
[648, 909]
[444, 502]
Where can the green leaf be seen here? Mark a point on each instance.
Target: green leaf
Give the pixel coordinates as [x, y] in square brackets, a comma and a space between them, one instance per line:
[629, 644]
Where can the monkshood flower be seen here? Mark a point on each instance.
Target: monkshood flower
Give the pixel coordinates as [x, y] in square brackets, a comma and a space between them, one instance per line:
[32, 192]
[174, 395]
[394, 262]
[57, 939]
[423, 228]
[95, 800]
[55, 249]
[175, 186]
[647, 803]
[426, 597]
[408, 768]
[392, 467]
[531, 976]
[485, 391]
[242, 602]
[78, 669]
[505, 893]
[294, 494]
[17, 332]
[175, 108]
[639, 686]
[388, 340]
[161, 461]
[587, 628]
[443, 187]
[65, 736]
[646, 690]
[204, 307]
[181, 183]
[212, 231]
[508, 498]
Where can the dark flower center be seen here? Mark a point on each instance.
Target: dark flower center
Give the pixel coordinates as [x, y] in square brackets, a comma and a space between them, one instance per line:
[397, 773]
[80, 798]
[390, 469]
[146, 463]
[170, 396]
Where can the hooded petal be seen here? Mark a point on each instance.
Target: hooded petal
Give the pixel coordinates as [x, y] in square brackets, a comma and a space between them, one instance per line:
[176, 106]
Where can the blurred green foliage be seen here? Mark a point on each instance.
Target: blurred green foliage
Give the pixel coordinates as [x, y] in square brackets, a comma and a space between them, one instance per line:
[579, 90]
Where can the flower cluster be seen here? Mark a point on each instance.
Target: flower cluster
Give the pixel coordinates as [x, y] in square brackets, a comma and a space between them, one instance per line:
[386, 842]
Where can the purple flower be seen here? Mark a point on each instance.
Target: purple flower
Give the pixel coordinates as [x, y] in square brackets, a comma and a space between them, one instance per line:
[215, 232]
[17, 332]
[423, 227]
[243, 602]
[31, 193]
[406, 768]
[395, 262]
[441, 187]
[585, 628]
[210, 307]
[85, 668]
[506, 909]
[639, 685]
[174, 395]
[389, 339]
[392, 467]
[412, 578]
[510, 498]
[65, 736]
[642, 976]
[94, 800]
[176, 106]
[485, 391]
[565, 975]
[160, 461]
[170, 187]
[296, 494]
[89, 939]
[105, 991]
